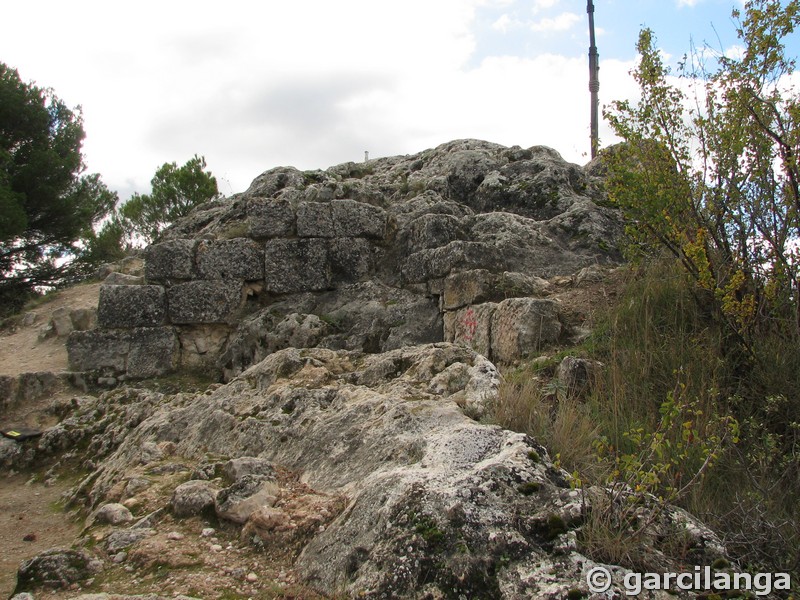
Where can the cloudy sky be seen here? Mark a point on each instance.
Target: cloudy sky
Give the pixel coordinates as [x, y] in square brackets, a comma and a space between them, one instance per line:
[313, 83]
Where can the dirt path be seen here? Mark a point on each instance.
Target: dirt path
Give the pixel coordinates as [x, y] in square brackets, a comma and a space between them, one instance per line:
[30, 518]
[30, 522]
[20, 348]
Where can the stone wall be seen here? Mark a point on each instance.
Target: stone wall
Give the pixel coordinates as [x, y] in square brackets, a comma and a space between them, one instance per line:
[451, 244]
[195, 292]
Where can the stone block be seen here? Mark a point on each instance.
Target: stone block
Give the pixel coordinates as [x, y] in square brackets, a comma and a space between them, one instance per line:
[141, 352]
[170, 260]
[61, 322]
[238, 258]
[433, 231]
[471, 326]
[349, 260]
[204, 301]
[117, 278]
[131, 306]
[315, 219]
[479, 285]
[201, 345]
[98, 350]
[83, 318]
[358, 219]
[456, 256]
[522, 327]
[469, 287]
[269, 218]
[33, 386]
[296, 265]
[153, 352]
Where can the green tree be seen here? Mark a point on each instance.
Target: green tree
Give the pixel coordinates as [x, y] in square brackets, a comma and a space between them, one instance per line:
[175, 192]
[710, 170]
[47, 203]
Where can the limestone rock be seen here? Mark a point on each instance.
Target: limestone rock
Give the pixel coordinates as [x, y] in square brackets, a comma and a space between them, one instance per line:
[522, 327]
[170, 260]
[125, 538]
[60, 321]
[192, 498]
[249, 493]
[113, 514]
[131, 306]
[296, 265]
[237, 468]
[238, 258]
[202, 301]
[56, 568]
[578, 375]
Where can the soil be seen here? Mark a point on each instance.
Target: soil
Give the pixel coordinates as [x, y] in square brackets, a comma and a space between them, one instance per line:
[31, 521]
[21, 351]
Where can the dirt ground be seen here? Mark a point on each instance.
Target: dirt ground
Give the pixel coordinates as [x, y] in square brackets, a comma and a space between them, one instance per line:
[20, 348]
[31, 521]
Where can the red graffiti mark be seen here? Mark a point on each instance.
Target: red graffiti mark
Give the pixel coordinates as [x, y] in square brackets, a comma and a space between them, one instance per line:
[470, 324]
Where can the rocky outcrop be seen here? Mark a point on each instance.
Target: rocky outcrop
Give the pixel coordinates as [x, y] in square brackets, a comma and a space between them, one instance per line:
[368, 470]
[371, 256]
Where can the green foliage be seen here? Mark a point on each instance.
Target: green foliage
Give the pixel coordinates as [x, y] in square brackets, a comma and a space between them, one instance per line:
[711, 174]
[47, 203]
[175, 192]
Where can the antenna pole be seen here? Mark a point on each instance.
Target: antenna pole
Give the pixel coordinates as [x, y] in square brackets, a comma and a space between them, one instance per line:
[594, 78]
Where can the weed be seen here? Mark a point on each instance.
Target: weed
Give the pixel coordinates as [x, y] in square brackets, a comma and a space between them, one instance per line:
[528, 488]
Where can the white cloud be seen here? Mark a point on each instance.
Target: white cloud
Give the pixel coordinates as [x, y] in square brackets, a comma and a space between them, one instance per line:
[309, 83]
[689, 3]
[562, 22]
[505, 23]
[736, 51]
[541, 5]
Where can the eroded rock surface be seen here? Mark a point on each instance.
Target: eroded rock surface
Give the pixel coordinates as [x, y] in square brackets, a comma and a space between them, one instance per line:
[369, 471]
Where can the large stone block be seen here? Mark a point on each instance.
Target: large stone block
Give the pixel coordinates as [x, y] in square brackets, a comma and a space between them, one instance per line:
[296, 266]
[315, 219]
[522, 327]
[479, 285]
[170, 260]
[268, 218]
[433, 231]
[141, 352]
[238, 258]
[358, 219]
[469, 287]
[471, 326]
[349, 260]
[204, 301]
[131, 306]
[154, 351]
[98, 350]
[456, 256]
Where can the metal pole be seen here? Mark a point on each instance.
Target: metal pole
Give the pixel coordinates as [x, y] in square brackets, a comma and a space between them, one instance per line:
[594, 78]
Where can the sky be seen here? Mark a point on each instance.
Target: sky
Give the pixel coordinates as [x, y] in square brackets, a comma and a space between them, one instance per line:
[314, 83]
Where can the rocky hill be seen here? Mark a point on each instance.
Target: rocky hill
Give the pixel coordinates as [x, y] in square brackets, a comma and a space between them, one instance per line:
[352, 319]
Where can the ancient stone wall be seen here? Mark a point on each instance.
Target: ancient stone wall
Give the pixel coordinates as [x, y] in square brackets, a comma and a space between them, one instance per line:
[451, 244]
